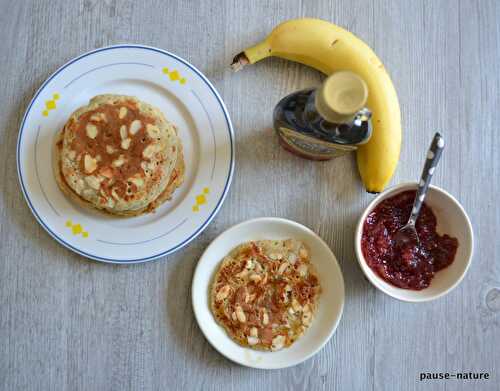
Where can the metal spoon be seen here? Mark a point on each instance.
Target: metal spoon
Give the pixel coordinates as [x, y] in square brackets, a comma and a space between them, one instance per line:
[408, 233]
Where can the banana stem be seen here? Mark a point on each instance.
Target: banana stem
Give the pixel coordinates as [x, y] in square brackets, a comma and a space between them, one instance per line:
[251, 55]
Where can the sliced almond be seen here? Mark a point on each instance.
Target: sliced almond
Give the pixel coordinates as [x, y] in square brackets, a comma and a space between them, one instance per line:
[126, 143]
[135, 126]
[89, 164]
[275, 256]
[110, 149]
[79, 186]
[240, 315]
[265, 318]
[153, 131]
[233, 316]
[91, 131]
[98, 117]
[122, 113]
[292, 258]
[303, 253]
[123, 132]
[114, 194]
[252, 340]
[283, 267]
[249, 265]
[302, 270]
[148, 151]
[254, 332]
[93, 182]
[278, 342]
[223, 293]
[71, 155]
[118, 162]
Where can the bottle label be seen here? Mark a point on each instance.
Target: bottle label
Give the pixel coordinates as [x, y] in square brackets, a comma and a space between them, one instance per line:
[310, 147]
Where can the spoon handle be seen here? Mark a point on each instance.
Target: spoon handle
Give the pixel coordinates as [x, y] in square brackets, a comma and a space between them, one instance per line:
[433, 156]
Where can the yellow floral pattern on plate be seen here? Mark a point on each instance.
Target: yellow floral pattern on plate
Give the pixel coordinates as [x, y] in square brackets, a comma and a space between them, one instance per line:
[76, 229]
[174, 75]
[50, 104]
[201, 199]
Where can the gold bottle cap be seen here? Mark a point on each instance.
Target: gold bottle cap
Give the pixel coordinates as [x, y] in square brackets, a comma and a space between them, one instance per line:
[341, 96]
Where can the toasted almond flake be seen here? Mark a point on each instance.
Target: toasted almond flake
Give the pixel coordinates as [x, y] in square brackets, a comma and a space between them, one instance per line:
[240, 314]
[254, 332]
[115, 194]
[123, 132]
[118, 162]
[91, 131]
[110, 149]
[249, 265]
[278, 342]
[98, 117]
[93, 182]
[153, 131]
[223, 293]
[291, 311]
[126, 143]
[135, 126]
[292, 258]
[252, 340]
[265, 318]
[80, 184]
[275, 256]
[71, 155]
[89, 164]
[122, 113]
[234, 317]
[303, 253]
[283, 267]
[302, 270]
[148, 151]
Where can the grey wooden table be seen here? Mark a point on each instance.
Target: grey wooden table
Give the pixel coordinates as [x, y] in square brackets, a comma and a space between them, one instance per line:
[70, 324]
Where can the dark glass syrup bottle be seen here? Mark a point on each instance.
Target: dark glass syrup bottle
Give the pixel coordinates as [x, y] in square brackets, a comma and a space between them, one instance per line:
[325, 122]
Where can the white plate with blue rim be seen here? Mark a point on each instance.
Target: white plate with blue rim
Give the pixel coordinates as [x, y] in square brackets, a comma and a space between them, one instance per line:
[187, 99]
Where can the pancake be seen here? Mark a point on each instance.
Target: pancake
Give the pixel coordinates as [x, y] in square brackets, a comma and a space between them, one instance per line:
[119, 155]
[265, 293]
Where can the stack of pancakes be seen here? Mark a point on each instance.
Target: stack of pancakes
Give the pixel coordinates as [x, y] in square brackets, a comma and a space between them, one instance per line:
[119, 155]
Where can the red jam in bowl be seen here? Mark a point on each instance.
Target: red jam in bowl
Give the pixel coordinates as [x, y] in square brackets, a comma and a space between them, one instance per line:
[407, 266]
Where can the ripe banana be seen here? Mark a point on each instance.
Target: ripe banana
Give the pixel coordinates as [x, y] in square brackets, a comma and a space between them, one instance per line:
[329, 48]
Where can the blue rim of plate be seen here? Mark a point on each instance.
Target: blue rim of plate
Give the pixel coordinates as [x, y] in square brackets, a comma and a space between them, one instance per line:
[219, 203]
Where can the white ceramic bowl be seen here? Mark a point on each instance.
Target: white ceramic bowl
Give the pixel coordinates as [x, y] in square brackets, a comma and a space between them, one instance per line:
[331, 301]
[451, 219]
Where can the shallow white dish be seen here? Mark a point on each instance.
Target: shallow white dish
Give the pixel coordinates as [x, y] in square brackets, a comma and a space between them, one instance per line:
[186, 98]
[331, 301]
[451, 219]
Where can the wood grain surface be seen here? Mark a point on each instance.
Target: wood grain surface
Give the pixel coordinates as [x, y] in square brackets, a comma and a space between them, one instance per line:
[67, 323]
